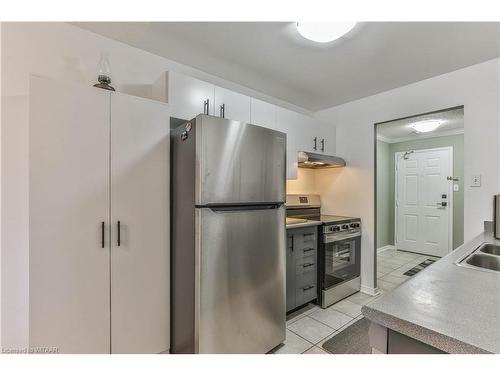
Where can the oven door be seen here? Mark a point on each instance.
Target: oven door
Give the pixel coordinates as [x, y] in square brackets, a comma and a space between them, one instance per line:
[341, 258]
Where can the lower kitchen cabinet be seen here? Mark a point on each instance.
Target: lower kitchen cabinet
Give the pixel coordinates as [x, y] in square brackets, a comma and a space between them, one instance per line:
[301, 266]
[99, 218]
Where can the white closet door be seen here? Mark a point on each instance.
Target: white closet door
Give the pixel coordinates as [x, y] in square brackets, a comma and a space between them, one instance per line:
[140, 278]
[69, 198]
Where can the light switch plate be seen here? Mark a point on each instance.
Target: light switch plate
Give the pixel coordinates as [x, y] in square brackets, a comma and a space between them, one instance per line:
[475, 180]
[456, 187]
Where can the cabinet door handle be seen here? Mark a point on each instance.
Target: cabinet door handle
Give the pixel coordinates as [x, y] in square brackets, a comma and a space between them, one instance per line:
[323, 145]
[305, 265]
[309, 249]
[315, 147]
[118, 236]
[307, 287]
[292, 242]
[222, 110]
[102, 234]
[206, 107]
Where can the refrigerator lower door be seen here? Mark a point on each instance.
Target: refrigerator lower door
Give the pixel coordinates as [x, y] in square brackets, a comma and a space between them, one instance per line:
[240, 286]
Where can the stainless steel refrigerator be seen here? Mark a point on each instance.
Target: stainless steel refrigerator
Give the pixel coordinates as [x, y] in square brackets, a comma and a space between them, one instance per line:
[228, 237]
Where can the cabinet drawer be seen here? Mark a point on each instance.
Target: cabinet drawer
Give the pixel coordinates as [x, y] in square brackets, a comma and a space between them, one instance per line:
[306, 279]
[307, 291]
[304, 265]
[308, 237]
[304, 252]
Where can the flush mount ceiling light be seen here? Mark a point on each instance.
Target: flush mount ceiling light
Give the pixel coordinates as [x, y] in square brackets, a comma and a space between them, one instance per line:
[324, 32]
[426, 126]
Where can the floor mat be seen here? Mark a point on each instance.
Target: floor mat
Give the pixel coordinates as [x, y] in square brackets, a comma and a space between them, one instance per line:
[352, 340]
[419, 267]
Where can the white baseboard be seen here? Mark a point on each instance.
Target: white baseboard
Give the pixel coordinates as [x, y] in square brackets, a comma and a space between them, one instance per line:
[369, 290]
[385, 248]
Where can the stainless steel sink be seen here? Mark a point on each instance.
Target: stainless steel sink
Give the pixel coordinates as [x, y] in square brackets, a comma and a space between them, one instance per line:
[485, 257]
[484, 261]
[489, 248]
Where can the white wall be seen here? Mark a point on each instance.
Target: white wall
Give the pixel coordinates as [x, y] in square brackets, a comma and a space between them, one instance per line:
[352, 191]
[65, 52]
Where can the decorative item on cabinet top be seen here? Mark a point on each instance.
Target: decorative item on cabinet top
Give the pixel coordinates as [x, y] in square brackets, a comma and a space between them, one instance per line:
[104, 74]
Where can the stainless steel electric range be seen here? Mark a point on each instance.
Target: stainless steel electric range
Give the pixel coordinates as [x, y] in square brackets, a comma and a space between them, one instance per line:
[339, 256]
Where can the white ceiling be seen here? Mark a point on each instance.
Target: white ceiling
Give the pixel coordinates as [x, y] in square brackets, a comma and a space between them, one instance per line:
[399, 130]
[272, 58]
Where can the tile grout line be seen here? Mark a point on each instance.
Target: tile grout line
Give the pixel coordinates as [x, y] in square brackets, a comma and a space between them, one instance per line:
[303, 338]
[334, 329]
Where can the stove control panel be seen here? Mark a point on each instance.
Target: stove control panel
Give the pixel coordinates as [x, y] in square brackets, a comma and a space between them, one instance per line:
[354, 226]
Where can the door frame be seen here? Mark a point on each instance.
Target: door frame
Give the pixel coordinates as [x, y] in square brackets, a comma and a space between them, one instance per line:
[450, 192]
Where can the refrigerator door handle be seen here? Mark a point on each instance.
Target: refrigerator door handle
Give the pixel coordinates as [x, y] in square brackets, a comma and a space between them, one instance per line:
[245, 207]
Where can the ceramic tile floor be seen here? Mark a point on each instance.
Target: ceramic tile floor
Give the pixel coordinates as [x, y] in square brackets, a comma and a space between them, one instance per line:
[309, 327]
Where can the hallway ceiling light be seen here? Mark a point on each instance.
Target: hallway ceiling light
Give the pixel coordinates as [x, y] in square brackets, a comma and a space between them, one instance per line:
[425, 126]
[324, 32]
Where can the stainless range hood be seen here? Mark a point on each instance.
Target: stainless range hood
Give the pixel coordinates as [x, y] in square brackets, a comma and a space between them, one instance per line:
[318, 161]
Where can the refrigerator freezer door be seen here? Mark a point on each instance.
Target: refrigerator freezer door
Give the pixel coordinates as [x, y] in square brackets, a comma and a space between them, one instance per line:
[240, 292]
[238, 162]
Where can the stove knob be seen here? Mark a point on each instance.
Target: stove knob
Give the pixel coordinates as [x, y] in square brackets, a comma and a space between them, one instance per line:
[357, 225]
[345, 226]
[353, 225]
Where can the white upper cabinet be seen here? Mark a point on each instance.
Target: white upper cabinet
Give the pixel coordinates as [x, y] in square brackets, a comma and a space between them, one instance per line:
[263, 113]
[326, 138]
[316, 137]
[289, 122]
[231, 105]
[309, 140]
[189, 96]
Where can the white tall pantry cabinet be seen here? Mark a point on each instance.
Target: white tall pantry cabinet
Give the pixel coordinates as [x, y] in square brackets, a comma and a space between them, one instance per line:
[99, 221]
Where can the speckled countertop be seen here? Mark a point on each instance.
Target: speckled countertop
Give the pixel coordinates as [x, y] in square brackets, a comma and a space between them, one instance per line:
[452, 308]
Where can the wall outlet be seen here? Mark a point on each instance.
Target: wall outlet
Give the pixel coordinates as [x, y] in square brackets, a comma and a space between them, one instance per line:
[456, 187]
[475, 180]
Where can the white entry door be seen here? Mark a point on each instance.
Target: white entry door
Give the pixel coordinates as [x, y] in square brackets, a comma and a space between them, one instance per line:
[424, 201]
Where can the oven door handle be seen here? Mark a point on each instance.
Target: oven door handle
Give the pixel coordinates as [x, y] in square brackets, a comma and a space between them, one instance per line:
[334, 238]
[343, 252]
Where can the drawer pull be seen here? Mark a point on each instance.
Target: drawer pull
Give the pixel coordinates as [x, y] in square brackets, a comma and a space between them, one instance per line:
[309, 234]
[307, 287]
[305, 265]
[309, 249]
